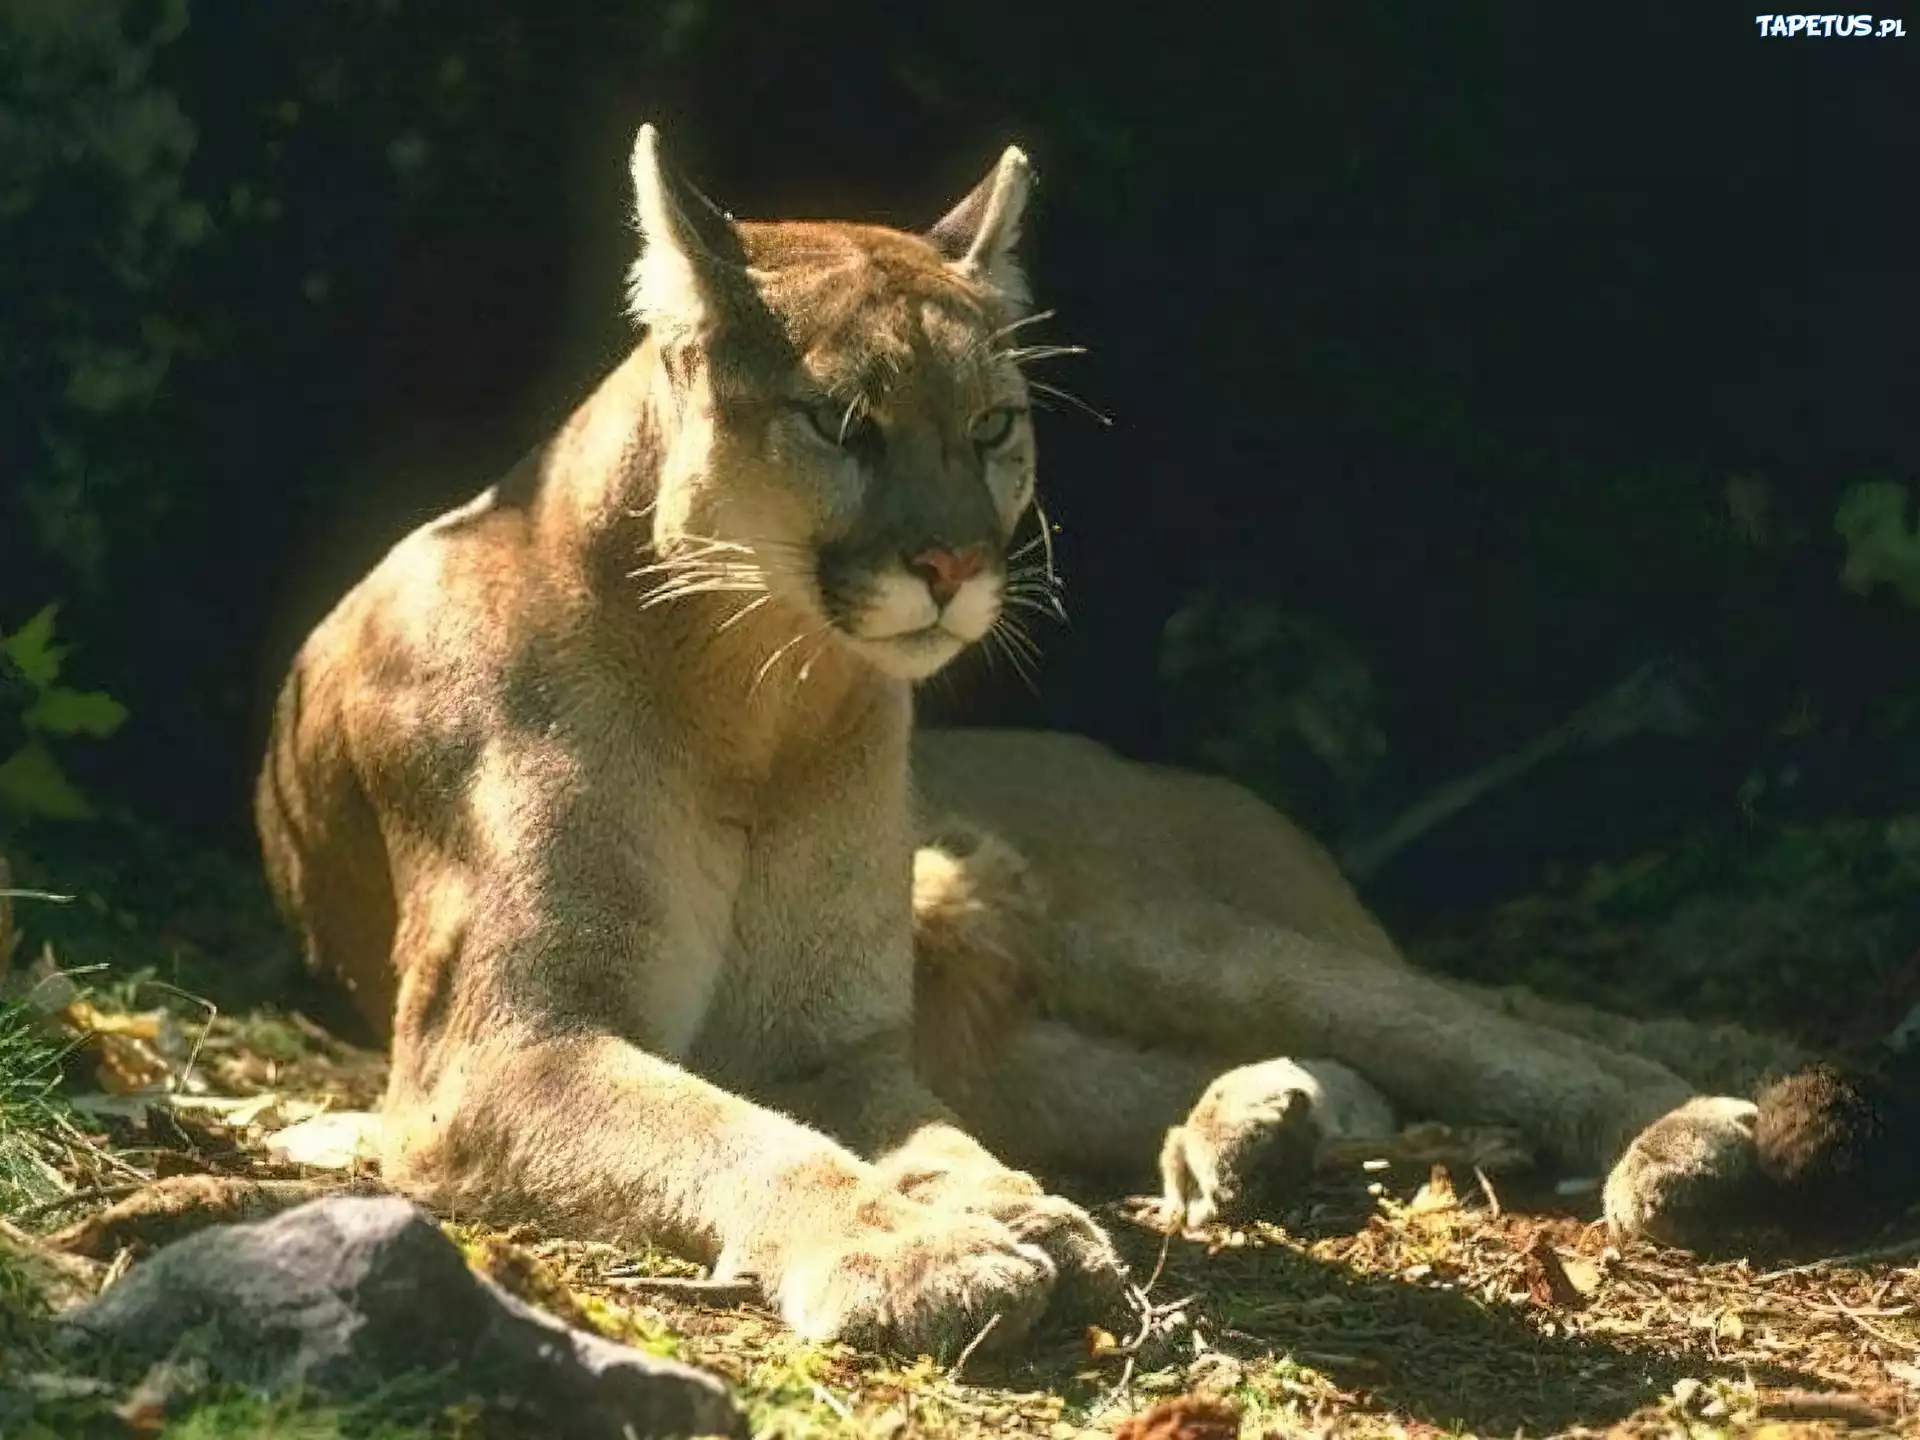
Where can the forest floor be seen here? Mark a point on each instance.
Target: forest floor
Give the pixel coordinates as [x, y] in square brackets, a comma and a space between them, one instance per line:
[1387, 1303]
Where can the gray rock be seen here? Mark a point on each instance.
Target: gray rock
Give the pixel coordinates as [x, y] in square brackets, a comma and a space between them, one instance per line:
[347, 1295]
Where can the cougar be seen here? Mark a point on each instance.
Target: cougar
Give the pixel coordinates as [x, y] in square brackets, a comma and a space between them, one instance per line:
[600, 795]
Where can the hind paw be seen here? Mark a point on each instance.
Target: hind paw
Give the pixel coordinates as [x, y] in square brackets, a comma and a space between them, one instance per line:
[1246, 1149]
[1689, 1177]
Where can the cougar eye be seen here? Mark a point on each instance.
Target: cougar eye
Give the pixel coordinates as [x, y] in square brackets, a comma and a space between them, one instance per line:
[834, 422]
[995, 427]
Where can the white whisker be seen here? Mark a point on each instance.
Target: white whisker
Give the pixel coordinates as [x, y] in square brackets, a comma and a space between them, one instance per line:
[774, 659]
[667, 593]
[1038, 317]
[741, 614]
[1068, 397]
[1034, 354]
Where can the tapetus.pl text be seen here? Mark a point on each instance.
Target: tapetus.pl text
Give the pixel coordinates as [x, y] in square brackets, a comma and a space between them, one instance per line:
[1837, 27]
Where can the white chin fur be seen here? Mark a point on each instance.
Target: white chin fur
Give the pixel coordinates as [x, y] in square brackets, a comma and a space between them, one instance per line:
[911, 657]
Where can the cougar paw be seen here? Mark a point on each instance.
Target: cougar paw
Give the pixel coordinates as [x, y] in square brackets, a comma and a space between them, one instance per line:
[1092, 1279]
[916, 1280]
[1688, 1177]
[1245, 1150]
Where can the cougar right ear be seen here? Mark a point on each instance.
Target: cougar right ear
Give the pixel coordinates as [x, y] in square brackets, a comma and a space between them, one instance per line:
[692, 266]
[980, 234]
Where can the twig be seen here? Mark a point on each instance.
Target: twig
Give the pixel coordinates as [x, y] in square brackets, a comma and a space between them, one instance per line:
[1653, 698]
[1898, 1250]
[1149, 1313]
[1872, 1329]
[953, 1375]
[1813, 1405]
[1166, 1239]
[79, 1197]
[1486, 1189]
[213, 1014]
[680, 1287]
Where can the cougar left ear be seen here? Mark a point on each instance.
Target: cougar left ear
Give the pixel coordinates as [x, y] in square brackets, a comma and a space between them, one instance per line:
[691, 267]
[979, 235]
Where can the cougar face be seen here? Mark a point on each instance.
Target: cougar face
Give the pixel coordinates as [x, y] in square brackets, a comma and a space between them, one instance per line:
[847, 418]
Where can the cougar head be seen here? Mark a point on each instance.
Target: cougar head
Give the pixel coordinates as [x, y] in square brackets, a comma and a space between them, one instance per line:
[843, 413]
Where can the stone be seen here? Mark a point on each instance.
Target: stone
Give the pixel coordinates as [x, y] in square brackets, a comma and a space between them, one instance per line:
[346, 1295]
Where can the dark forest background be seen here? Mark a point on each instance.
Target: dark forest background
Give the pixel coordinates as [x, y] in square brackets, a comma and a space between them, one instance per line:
[1463, 361]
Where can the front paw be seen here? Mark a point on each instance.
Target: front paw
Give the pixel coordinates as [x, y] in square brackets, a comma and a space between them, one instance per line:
[1246, 1149]
[914, 1279]
[1689, 1177]
[1092, 1278]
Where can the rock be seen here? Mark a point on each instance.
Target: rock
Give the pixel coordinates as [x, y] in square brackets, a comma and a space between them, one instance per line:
[346, 1295]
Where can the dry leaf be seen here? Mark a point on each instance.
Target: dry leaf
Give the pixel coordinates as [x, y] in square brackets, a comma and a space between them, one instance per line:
[88, 1018]
[1189, 1417]
[1584, 1274]
[126, 1064]
[1436, 1195]
[1100, 1342]
[339, 1140]
[1548, 1283]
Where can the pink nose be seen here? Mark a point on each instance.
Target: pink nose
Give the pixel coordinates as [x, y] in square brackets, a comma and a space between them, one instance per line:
[945, 571]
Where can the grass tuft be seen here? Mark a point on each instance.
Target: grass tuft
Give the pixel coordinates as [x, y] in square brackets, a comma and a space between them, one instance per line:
[34, 1124]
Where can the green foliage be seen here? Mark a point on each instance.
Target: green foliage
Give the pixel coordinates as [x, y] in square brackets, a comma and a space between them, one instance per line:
[1883, 547]
[92, 143]
[40, 708]
[1274, 700]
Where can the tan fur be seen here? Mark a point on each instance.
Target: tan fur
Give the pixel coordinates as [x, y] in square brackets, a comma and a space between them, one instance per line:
[595, 793]
[978, 924]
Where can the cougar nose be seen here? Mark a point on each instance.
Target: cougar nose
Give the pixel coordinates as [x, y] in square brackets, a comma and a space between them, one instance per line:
[946, 570]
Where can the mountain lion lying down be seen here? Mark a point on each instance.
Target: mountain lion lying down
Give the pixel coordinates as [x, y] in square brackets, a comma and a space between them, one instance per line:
[595, 793]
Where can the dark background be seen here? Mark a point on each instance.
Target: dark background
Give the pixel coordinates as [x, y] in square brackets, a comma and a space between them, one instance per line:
[1504, 347]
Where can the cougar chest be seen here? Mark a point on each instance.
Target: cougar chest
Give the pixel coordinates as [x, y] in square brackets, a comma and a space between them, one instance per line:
[818, 944]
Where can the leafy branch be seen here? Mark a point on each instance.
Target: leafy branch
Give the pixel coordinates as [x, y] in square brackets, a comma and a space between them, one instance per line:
[35, 708]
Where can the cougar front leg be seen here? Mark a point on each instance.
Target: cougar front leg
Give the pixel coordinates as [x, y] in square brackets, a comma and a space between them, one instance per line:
[586, 1133]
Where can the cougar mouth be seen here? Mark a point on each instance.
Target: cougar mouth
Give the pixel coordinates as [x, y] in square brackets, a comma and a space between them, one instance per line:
[909, 654]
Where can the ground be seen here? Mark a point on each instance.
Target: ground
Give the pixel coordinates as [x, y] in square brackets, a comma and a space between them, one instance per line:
[1392, 1302]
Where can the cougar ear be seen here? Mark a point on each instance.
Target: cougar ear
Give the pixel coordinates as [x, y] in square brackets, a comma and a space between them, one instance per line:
[978, 236]
[691, 266]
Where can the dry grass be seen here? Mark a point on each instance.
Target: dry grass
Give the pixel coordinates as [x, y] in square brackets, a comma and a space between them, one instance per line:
[1390, 1304]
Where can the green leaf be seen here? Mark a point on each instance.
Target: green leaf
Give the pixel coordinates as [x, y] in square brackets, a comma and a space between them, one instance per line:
[1881, 547]
[33, 652]
[59, 711]
[32, 784]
